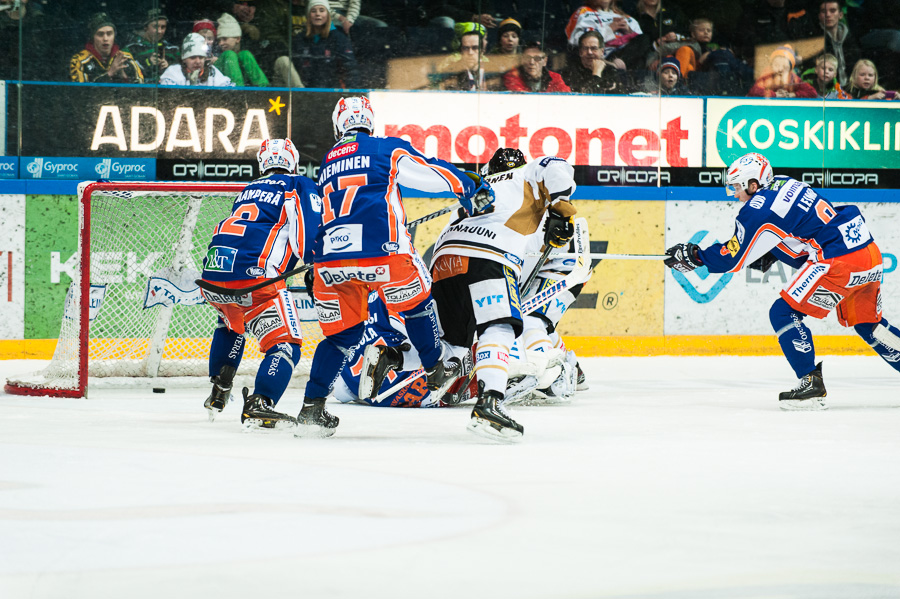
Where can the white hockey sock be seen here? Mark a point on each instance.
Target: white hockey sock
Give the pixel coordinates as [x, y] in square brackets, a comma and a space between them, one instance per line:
[492, 357]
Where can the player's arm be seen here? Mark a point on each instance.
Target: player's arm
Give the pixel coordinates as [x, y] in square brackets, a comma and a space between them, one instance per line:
[752, 239]
[553, 179]
[432, 175]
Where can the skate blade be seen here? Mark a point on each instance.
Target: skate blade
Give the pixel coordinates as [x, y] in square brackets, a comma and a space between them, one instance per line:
[267, 425]
[487, 430]
[313, 431]
[211, 413]
[538, 398]
[367, 383]
[582, 387]
[803, 405]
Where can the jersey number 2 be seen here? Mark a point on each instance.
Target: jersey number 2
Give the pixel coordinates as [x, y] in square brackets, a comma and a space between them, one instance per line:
[247, 212]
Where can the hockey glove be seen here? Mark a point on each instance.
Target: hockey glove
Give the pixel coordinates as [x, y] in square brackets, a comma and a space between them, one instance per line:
[558, 229]
[308, 279]
[683, 257]
[481, 201]
[764, 262]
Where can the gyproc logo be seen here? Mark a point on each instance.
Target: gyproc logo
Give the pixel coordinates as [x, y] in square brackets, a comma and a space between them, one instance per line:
[713, 287]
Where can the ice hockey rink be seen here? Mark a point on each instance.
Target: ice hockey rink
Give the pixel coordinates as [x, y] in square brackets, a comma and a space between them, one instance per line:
[671, 478]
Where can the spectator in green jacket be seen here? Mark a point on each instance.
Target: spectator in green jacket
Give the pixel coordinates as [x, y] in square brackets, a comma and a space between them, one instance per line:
[149, 48]
[239, 65]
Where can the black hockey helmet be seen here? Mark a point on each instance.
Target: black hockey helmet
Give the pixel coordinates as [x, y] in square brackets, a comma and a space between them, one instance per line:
[505, 159]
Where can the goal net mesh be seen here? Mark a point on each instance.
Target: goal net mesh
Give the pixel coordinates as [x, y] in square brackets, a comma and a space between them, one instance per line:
[148, 323]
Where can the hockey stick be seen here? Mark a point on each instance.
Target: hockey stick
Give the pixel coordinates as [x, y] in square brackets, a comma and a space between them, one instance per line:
[604, 256]
[212, 287]
[433, 215]
[577, 276]
[537, 268]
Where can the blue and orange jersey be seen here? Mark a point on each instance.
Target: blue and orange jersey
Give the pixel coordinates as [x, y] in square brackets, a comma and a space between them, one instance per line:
[384, 328]
[362, 206]
[272, 226]
[795, 223]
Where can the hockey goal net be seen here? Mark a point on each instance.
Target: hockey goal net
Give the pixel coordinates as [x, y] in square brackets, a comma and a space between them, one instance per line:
[133, 316]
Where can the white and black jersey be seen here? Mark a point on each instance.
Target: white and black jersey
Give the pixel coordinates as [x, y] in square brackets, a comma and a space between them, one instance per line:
[523, 196]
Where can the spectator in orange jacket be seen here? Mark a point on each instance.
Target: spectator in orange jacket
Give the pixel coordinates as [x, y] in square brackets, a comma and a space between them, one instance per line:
[781, 81]
[532, 75]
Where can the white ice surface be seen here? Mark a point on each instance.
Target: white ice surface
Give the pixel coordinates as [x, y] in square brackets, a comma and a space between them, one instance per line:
[671, 478]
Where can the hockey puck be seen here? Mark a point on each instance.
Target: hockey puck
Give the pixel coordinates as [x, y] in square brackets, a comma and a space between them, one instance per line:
[158, 390]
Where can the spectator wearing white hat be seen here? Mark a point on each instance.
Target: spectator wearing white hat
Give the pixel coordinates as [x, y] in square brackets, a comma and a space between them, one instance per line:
[195, 68]
[238, 65]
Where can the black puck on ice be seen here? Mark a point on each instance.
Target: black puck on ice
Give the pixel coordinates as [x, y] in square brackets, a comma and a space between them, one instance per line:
[158, 390]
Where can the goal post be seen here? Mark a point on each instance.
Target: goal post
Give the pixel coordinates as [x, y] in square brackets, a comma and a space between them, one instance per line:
[133, 316]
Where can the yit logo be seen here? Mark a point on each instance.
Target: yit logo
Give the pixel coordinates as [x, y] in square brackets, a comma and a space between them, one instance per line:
[700, 279]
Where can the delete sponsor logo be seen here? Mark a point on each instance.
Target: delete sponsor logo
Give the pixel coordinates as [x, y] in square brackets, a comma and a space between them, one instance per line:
[363, 274]
[869, 276]
[344, 238]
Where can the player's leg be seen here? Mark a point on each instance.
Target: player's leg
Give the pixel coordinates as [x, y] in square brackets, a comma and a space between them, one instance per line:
[225, 352]
[796, 343]
[884, 338]
[342, 310]
[494, 295]
[275, 323]
[409, 294]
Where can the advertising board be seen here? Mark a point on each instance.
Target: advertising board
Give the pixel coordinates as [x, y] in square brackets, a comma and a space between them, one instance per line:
[612, 130]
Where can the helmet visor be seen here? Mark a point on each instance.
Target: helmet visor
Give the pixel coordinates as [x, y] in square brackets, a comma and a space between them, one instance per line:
[732, 189]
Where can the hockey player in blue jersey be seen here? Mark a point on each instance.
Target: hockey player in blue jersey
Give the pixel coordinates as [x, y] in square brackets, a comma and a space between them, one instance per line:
[404, 387]
[840, 267]
[272, 226]
[363, 246]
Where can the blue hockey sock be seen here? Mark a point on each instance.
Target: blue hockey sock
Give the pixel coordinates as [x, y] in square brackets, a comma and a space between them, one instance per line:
[226, 349]
[276, 369]
[424, 332]
[888, 354]
[330, 359]
[794, 337]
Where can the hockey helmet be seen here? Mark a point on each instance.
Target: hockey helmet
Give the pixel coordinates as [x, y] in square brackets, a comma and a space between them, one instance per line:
[352, 113]
[277, 153]
[749, 167]
[504, 159]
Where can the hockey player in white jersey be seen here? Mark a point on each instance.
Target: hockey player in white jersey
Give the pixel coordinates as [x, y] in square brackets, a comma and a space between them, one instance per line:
[477, 266]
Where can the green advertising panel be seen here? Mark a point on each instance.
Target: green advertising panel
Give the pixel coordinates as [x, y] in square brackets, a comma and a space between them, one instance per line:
[791, 133]
[51, 240]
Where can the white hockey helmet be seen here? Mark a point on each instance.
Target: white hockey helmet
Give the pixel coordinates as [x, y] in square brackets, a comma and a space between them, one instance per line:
[352, 113]
[749, 167]
[277, 153]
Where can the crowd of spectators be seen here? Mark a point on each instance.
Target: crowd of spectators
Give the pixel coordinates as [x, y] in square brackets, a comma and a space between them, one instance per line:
[756, 48]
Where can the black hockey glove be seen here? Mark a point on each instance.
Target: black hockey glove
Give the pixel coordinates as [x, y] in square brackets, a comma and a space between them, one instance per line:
[764, 262]
[558, 229]
[308, 279]
[683, 257]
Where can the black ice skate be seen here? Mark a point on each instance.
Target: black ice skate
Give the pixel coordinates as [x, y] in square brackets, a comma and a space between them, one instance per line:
[490, 419]
[378, 361]
[221, 391]
[809, 394]
[314, 420]
[442, 375]
[259, 413]
[582, 380]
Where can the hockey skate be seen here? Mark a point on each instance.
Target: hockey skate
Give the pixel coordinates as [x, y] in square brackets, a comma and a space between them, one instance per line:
[378, 361]
[561, 390]
[582, 380]
[259, 413]
[809, 394]
[314, 420]
[491, 420]
[442, 375]
[519, 389]
[221, 391]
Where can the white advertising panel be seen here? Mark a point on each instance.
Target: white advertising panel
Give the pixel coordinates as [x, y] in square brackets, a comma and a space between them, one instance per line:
[585, 130]
[12, 266]
[701, 303]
